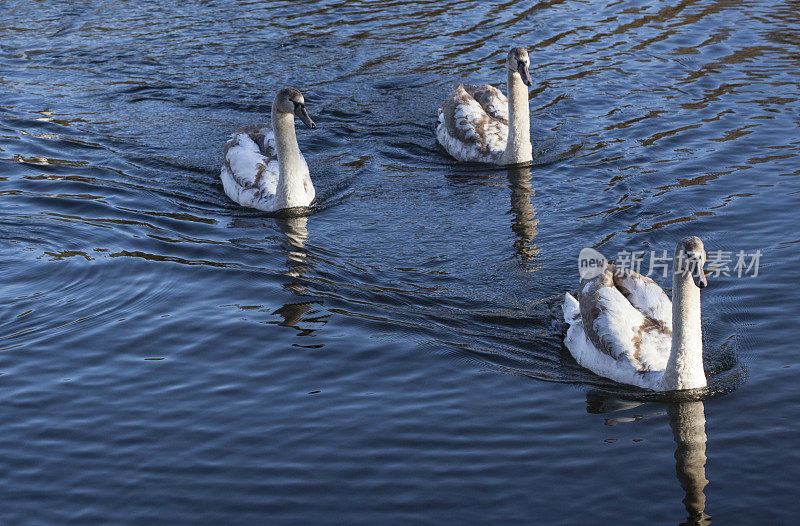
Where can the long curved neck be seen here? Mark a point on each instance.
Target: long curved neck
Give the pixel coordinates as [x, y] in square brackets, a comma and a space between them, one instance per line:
[290, 163]
[518, 147]
[685, 366]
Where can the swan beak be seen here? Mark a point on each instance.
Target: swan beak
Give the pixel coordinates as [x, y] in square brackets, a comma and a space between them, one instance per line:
[700, 279]
[525, 74]
[302, 114]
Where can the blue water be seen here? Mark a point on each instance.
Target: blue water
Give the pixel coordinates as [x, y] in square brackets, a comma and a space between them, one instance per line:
[394, 358]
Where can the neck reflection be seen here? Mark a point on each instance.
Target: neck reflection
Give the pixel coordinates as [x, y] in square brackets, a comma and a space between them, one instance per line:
[296, 231]
[298, 263]
[524, 223]
[688, 423]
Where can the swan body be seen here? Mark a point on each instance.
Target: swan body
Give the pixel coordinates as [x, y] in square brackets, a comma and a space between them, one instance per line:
[263, 166]
[623, 326]
[479, 124]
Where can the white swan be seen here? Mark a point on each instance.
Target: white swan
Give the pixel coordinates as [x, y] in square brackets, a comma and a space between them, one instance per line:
[263, 166]
[475, 123]
[624, 327]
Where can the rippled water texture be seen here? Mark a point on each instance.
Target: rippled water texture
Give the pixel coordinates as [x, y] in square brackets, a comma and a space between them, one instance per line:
[395, 357]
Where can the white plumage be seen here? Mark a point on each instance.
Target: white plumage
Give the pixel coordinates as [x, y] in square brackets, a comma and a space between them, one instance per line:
[473, 124]
[621, 327]
[250, 172]
[479, 124]
[634, 343]
[263, 166]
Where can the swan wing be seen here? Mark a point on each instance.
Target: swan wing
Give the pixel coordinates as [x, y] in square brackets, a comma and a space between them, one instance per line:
[473, 123]
[588, 356]
[250, 171]
[491, 99]
[646, 295]
[618, 329]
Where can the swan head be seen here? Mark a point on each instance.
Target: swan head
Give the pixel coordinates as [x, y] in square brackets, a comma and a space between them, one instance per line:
[518, 61]
[290, 100]
[690, 256]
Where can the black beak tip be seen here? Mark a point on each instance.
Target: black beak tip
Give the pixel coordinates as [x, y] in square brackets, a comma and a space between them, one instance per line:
[522, 69]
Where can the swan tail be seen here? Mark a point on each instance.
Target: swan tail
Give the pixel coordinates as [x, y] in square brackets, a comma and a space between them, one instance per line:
[571, 308]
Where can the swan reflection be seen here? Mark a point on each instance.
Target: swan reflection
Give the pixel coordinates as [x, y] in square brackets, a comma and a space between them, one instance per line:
[524, 223]
[296, 231]
[298, 263]
[688, 423]
[292, 314]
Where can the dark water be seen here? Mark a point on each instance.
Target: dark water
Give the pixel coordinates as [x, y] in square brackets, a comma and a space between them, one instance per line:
[394, 358]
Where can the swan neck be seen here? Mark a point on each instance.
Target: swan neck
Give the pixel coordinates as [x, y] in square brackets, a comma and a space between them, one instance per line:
[518, 147]
[685, 366]
[289, 192]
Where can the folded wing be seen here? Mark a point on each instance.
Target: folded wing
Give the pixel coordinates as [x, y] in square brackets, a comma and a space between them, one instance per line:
[473, 123]
[627, 323]
[250, 172]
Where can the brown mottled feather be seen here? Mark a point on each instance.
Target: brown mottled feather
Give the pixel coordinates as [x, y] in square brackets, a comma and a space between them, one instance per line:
[591, 309]
[484, 95]
[465, 94]
[258, 134]
[589, 300]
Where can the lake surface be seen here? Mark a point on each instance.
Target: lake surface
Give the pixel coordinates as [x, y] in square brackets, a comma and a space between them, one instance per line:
[395, 357]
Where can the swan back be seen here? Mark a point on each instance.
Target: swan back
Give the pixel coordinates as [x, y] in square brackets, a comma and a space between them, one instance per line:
[645, 295]
[473, 123]
[620, 328]
[250, 170]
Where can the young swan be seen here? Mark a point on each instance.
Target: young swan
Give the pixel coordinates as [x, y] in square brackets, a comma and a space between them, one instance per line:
[475, 123]
[263, 167]
[623, 326]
